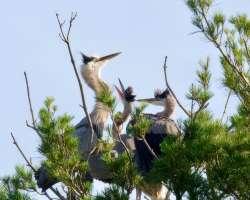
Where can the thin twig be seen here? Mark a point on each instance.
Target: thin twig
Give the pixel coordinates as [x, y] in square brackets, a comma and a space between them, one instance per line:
[226, 104]
[246, 48]
[32, 127]
[33, 168]
[66, 40]
[30, 105]
[120, 139]
[192, 105]
[23, 155]
[149, 148]
[168, 86]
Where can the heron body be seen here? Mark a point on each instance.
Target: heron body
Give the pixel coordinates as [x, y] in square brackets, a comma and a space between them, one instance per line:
[162, 126]
[91, 72]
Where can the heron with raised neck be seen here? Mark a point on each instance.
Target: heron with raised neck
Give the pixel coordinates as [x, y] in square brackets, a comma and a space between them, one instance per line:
[91, 69]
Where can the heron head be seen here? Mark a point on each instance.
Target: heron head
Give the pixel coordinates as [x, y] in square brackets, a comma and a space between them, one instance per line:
[126, 95]
[95, 63]
[159, 98]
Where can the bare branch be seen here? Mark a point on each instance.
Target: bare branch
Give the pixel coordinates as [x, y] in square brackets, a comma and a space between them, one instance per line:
[65, 39]
[21, 152]
[30, 105]
[149, 148]
[72, 18]
[32, 127]
[168, 86]
[33, 168]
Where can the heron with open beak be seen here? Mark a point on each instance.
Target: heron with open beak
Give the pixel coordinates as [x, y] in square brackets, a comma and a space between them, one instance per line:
[127, 97]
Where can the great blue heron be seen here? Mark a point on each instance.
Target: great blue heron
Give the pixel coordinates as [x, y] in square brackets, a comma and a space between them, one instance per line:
[162, 126]
[155, 191]
[97, 166]
[127, 98]
[91, 73]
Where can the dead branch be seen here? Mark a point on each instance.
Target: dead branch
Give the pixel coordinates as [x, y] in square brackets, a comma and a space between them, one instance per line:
[55, 191]
[21, 152]
[66, 39]
[168, 86]
[31, 108]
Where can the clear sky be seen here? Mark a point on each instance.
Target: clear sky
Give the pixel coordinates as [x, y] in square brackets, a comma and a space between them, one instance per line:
[144, 30]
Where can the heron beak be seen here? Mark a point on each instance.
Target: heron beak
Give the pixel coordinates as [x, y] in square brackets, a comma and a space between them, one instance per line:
[121, 94]
[108, 57]
[121, 91]
[149, 100]
[153, 101]
[121, 85]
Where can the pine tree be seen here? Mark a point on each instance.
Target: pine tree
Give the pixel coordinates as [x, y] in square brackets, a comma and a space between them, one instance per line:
[211, 158]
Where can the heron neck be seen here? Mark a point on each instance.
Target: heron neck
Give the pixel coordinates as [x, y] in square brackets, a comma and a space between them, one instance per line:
[126, 111]
[117, 127]
[169, 107]
[100, 114]
[93, 79]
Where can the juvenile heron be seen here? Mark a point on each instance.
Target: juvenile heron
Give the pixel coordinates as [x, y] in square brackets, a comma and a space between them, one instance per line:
[127, 97]
[162, 126]
[97, 166]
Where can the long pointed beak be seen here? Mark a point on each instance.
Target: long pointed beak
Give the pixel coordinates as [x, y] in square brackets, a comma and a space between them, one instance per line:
[121, 94]
[121, 85]
[149, 100]
[154, 101]
[108, 57]
[121, 91]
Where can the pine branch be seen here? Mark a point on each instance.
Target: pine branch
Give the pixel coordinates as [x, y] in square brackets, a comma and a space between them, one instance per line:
[55, 191]
[218, 46]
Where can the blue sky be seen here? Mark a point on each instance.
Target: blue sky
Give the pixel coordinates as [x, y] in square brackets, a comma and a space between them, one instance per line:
[144, 30]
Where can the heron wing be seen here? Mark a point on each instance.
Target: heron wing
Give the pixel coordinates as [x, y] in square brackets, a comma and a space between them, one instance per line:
[161, 128]
[84, 134]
